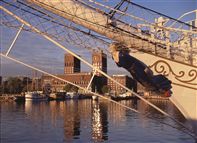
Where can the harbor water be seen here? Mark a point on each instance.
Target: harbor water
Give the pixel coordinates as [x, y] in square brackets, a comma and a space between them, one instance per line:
[84, 121]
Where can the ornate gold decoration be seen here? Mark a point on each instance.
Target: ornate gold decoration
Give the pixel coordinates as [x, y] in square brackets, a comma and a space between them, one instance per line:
[162, 67]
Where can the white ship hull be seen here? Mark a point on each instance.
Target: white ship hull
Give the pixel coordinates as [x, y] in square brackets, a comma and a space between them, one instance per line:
[184, 87]
[183, 76]
[33, 96]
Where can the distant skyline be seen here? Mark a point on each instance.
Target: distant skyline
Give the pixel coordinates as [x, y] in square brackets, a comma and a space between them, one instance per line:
[42, 53]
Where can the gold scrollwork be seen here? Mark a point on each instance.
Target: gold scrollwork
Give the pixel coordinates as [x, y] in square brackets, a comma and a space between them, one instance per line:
[164, 68]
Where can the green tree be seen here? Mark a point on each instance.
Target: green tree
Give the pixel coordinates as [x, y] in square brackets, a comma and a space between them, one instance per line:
[5, 87]
[74, 89]
[1, 90]
[105, 89]
[14, 85]
[67, 87]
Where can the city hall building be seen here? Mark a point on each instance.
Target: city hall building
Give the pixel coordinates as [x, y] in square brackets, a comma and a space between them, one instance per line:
[72, 73]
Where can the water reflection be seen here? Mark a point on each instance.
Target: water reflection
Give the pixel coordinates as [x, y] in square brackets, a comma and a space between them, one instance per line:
[89, 121]
[71, 121]
[99, 121]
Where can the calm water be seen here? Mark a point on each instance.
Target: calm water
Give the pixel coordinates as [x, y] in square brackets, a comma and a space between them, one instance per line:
[86, 121]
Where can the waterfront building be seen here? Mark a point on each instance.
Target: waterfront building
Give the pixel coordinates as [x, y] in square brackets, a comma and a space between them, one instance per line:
[124, 80]
[99, 60]
[82, 79]
[71, 64]
[72, 74]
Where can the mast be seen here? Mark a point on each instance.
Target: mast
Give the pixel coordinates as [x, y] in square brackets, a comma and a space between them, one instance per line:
[95, 20]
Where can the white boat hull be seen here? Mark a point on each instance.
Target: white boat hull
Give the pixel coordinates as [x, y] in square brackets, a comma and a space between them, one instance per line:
[184, 83]
[35, 97]
[184, 77]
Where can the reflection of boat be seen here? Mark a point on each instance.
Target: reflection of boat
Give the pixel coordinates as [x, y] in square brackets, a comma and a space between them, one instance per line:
[95, 97]
[36, 96]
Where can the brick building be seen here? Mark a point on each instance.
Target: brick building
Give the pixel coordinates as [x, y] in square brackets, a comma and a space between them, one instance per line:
[71, 64]
[124, 80]
[72, 73]
[81, 79]
[99, 60]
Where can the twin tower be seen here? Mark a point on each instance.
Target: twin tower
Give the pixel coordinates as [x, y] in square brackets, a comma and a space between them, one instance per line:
[73, 65]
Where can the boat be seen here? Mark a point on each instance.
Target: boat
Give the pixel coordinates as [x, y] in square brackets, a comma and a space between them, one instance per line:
[162, 61]
[166, 44]
[123, 96]
[58, 96]
[35, 96]
[72, 95]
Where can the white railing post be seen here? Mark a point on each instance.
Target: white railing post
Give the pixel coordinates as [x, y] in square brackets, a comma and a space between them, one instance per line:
[15, 38]
[168, 44]
[91, 79]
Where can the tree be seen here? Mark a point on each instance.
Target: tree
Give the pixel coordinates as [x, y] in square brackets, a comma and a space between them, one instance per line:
[67, 87]
[1, 90]
[14, 85]
[27, 84]
[5, 87]
[47, 89]
[105, 89]
[74, 89]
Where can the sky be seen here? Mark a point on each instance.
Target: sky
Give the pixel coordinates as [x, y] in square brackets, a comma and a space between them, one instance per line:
[41, 53]
[172, 8]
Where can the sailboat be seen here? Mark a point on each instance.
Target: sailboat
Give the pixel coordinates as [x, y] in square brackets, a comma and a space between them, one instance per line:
[35, 95]
[167, 45]
[174, 57]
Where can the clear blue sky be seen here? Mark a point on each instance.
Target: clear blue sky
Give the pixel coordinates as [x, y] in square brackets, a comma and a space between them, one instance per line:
[52, 58]
[173, 8]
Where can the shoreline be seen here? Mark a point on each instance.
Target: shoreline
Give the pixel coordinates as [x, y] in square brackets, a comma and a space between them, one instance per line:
[8, 97]
[11, 98]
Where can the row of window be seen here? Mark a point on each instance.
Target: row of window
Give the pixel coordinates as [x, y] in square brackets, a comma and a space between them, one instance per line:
[75, 82]
[59, 82]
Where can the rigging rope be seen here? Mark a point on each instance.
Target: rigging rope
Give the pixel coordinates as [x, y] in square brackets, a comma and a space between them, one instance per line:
[47, 37]
[96, 94]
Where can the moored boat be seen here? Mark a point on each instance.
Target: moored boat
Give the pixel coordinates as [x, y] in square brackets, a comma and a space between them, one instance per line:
[35, 96]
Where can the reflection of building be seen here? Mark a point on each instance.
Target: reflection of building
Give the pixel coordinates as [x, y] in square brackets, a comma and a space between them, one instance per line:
[124, 80]
[116, 113]
[70, 116]
[71, 121]
[99, 122]
[71, 64]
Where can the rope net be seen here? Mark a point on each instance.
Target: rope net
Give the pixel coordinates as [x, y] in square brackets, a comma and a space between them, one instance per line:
[93, 25]
[99, 25]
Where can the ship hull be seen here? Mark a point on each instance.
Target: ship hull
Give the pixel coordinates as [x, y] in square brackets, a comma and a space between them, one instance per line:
[184, 83]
